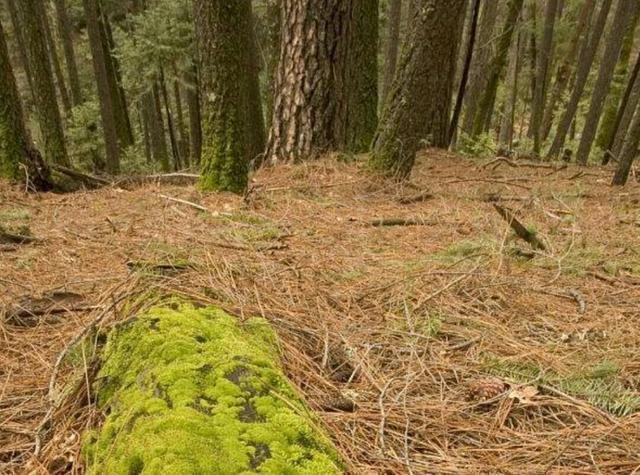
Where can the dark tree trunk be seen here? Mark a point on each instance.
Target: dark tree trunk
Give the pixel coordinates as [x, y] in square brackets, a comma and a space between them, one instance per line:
[20, 41]
[222, 29]
[55, 59]
[542, 73]
[585, 60]
[420, 101]
[193, 106]
[629, 150]
[255, 129]
[18, 158]
[625, 12]
[488, 97]
[309, 113]
[625, 113]
[566, 68]
[64, 30]
[392, 45]
[44, 91]
[105, 92]
[362, 76]
[271, 51]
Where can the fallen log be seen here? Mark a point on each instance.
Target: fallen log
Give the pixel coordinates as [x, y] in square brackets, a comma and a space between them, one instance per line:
[188, 390]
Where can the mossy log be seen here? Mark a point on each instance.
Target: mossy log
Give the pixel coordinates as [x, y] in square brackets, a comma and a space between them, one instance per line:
[191, 391]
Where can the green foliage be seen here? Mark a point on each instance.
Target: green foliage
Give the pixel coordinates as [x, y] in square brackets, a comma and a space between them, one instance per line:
[189, 390]
[484, 145]
[85, 137]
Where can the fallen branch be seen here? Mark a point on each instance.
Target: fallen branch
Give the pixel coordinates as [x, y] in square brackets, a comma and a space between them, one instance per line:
[399, 222]
[502, 160]
[185, 202]
[85, 178]
[519, 229]
[417, 198]
[7, 237]
[178, 178]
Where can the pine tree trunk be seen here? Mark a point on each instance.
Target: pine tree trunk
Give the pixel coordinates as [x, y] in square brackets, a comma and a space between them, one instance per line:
[17, 155]
[309, 113]
[420, 101]
[158, 138]
[44, 92]
[20, 41]
[488, 96]
[362, 76]
[271, 52]
[221, 31]
[566, 68]
[55, 59]
[392, 45]
[255, 129]
[480, 63]
[585, 60]
[105, 92]
[193, 106]
[183, 142]
[505, 137]
[64, 30]
[175, 151]
[629, 150]
[542, 72]
[625, 12]
[625, 113]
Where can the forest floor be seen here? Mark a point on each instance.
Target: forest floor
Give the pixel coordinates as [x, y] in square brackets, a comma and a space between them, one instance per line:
[463, 349]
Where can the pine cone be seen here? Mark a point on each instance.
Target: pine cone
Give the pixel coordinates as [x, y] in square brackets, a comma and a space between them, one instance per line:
[486, 388]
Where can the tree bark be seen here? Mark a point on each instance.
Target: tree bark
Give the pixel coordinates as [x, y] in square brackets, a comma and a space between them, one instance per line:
[105, 92]
[420, 101]
[629, 150]
[192, 92]
[625, 12]
[18, 158]
[309, 113]
[505, 137]
[392, 45]
[55, 59]
[44, 92]
[585, 60]
[64, 30]
[175, 150]
[158, 138]
[255, 127]
[625, 113]
[21, 43]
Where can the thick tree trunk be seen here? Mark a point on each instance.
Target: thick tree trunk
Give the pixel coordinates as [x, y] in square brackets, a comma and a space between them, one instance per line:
[19, 160]
[585, 60]
[105, 92]
[64, 30]
[625, 113]
[391, 48]
[221, 32]
[420, 101]
[629, 150]
[488, 96]
[55, 59]
[542, 73]
[625, 13]
[21, 43]
[566, 68]
[309, 113]
[505, 137]
[44, 92]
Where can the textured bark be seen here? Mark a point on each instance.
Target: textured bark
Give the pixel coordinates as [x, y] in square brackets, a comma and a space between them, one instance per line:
[255, 129]
[44, 92]
[64, 31]
[497, 67]
[626, 111]
[392, 46]
[362, 76]
[625, 12]
[271, 52]
[505, 137]
[629, 150]
[221, 29]
[542, 72]
[420, 101]
[193, 106]
[105, 92]
[566, 67]
[18, 158]
[55, 58]
[608, 123]
[482, 56]
[20, 41]
[585, 60]
[309, 106]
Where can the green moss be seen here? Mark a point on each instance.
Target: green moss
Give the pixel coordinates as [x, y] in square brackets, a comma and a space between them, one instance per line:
[190, 391]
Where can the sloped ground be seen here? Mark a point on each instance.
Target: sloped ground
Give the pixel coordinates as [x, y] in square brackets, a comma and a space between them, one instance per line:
[463, 350]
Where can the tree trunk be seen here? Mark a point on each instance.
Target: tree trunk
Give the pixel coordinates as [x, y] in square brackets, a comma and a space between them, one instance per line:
[44, 92]
[18, 158]
[625, 113]
[55, 58]
[392, 45]
[64, 30]
[585, 60]
[158, 138]
[480, 63]
[183, 141]
[256, 138]
[271, 52]
[20, 41]
[221, 32]
[420, 101]
[105, 92]
[629, 150]
[542, 72]
[625, 12]
[566, 68]
[193, 106]
[309, 113]
[489, 95]
[362, 76]
[505, 137]
[175, 151]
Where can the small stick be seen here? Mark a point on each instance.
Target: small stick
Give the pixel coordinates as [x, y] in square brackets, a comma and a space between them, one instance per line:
[11, 238]
[398, 222]
[184, 202]
[519, 229]
[418, 198]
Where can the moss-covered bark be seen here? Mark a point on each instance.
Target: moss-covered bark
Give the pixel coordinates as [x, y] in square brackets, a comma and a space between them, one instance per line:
[189, 391]
[221, 29]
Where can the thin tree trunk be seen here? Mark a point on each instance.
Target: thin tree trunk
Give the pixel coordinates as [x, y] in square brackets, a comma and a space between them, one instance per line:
[585, 60]
[177, 161]
[55, 59]
[566, 68]
[158, 138]
[44, 90]
[533, 58]
[183, 142]
[505, 137]
[64, 30]
[629, 150]
[193, 107]
[625, 13]
[542, 72]
[105, 92]
[625, 113]
[392, 45]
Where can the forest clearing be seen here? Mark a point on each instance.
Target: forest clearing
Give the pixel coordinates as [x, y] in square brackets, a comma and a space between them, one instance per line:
[446, 346]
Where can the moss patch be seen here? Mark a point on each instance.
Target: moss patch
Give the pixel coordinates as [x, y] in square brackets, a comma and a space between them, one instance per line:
[190, 391]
